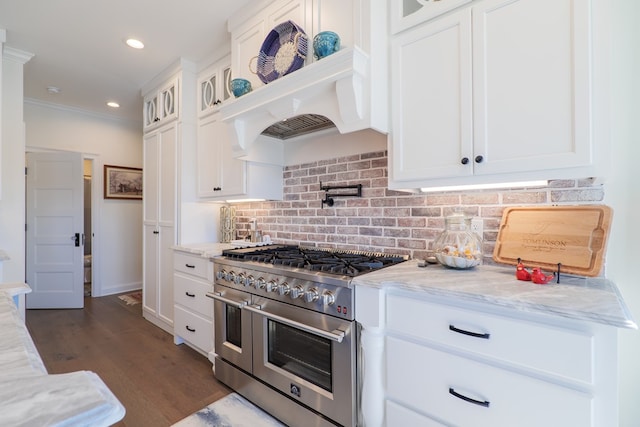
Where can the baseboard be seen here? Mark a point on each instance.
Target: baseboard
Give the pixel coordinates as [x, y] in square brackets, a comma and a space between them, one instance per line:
[127, 287]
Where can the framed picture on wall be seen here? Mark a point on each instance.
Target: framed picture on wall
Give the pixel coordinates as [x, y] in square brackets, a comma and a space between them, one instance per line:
[122, 183]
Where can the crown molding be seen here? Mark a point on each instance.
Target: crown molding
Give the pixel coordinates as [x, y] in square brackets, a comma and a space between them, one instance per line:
[17, 55]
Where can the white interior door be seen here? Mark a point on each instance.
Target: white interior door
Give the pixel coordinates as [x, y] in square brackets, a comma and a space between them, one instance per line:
[55, 226]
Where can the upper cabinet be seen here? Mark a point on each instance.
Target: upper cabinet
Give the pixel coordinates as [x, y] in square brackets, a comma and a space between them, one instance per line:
[248, 33]
[214, 86]
[407, 13]
[498, 91]
[220, 176]
[162, 106]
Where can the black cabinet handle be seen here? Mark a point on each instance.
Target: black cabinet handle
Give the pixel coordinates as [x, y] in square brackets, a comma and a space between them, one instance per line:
[217, 188]
[464, 160]
[190, 295]
[156, 232]
[468, 399]
[479, 159]
[190, 266]
[190, 329]
[471, 334]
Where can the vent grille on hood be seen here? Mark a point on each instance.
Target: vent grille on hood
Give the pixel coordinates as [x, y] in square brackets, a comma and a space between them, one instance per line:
[297, 126]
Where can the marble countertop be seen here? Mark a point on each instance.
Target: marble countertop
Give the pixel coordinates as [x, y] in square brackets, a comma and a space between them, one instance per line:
[212, 249]
[591, 299]
[204, 249]
[29, 396]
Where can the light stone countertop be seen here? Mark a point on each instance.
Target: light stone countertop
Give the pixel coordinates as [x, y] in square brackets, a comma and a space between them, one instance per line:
[592, 299]
[31, 397]
[204, 249]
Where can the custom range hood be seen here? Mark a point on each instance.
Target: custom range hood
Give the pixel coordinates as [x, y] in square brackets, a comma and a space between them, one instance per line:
[334, 91]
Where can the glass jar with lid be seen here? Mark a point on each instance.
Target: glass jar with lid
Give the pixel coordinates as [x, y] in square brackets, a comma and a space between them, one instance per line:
[457, 246]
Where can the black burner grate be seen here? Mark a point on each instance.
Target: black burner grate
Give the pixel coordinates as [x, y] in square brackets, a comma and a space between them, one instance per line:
[334, 262]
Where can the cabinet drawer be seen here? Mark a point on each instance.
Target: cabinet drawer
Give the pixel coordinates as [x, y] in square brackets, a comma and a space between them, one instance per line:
[398, 415]
[193, 328]
[195, 265]
[426, 379]
[554, 350]
[191, 293]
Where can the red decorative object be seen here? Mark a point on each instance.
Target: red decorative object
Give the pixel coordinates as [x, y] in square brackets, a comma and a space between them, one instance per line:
[522, 273]
[539, 277]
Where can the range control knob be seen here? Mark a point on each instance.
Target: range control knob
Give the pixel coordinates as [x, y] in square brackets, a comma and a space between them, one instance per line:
[231, 276]
[260, 283]
[221, 274]
[284, 289]
[328, 298]
[249, 280]
[311, 295]
[296, 292]
[240, 279]
[272, 285]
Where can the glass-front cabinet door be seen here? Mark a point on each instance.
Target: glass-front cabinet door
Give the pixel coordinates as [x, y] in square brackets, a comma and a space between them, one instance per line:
[407, 13]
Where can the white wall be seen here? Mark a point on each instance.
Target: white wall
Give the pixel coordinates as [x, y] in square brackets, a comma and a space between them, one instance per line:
[117, 243]
[623, 194]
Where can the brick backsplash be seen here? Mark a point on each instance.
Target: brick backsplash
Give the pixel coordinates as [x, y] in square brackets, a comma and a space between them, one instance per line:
[383, 220]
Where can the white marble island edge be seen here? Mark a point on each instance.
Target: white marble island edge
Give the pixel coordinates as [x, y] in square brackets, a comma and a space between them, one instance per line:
[30, 396]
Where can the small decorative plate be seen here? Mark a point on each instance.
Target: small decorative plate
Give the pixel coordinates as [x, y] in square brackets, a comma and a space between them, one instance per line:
[283, 51]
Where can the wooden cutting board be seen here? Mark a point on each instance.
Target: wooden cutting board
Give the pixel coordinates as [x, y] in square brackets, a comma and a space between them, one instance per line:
[543, 236]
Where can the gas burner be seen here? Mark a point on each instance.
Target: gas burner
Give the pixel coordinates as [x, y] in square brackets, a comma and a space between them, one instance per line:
[314, 259]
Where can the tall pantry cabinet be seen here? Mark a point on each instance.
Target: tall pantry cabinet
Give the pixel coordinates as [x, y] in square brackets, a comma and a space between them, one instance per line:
[169, 134]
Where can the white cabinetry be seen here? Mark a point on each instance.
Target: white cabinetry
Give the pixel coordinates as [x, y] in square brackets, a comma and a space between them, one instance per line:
[193, 278]
[407, 13]
[169, 148]
[249, 31]
[497, 91]
[470, 364]
[213, 86]
[161, 106]
[159, 224]
[250, 26]
[221, 176]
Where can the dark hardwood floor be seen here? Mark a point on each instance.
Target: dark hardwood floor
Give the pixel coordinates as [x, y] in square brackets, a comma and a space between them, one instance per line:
[158, 382]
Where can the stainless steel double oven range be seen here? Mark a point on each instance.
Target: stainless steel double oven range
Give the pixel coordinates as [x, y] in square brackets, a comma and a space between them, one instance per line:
[285, 334]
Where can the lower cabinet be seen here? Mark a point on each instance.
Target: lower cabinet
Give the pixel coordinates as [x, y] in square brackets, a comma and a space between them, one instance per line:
[436, 361]
[193, 311]
[466, 392]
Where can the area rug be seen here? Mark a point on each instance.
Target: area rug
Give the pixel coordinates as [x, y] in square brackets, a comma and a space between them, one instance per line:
[232, 410]
[133, 298]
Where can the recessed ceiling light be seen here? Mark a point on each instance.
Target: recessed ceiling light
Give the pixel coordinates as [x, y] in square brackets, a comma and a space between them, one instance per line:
[136, 44]
[53, 90]
[113, 104]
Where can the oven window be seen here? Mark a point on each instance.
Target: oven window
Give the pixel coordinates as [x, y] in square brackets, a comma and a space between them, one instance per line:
[234, 325]
[303, 354]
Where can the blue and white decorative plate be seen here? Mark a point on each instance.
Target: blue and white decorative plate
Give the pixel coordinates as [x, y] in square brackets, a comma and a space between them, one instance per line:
[283, 51]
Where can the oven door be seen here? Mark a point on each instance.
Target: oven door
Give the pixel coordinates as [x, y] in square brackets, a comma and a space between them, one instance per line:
[308, 356]
[232, 325]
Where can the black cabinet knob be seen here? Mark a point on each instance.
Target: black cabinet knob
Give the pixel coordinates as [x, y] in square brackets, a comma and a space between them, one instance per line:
[464, 160]
[479, 159]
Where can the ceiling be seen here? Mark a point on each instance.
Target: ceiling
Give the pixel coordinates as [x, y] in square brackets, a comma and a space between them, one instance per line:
[79, 46]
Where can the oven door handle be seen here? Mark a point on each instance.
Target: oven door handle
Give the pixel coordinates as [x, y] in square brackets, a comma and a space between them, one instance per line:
[336, 335]
[218, 297]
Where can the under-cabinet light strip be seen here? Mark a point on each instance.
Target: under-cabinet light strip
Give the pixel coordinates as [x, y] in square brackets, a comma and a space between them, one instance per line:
[541, 183]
